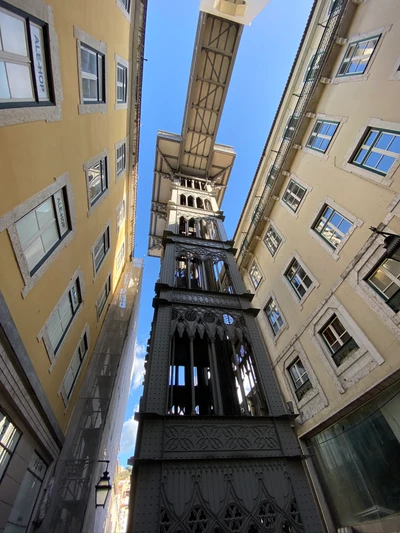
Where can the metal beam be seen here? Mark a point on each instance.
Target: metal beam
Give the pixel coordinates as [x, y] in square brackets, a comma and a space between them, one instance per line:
[211, 82]
[171, 171]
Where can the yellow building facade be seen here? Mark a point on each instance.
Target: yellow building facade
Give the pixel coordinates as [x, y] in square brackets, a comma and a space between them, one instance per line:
[70, 89]
[327, 289]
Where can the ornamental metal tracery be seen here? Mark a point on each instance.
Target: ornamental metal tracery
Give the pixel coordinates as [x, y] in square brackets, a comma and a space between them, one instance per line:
[233, 513]
[210, 353]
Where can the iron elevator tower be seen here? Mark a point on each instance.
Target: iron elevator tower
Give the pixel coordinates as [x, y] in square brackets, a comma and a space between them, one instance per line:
[215, 448]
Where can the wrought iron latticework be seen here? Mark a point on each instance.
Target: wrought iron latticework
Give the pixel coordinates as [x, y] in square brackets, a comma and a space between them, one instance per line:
[214, 437]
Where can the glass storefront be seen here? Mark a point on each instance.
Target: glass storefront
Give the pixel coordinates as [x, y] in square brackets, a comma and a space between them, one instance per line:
[358, 461]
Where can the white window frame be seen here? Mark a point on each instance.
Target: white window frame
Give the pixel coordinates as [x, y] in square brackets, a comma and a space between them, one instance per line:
[44, 334]
[8, 450]
[386, 180]
[356, 223]
[302, 184]
[119, 61]
[120, 221]
[314, 282]
[366, 348]
[105, 238]
[9, 220]
[357, 280]
[274, 228]
[126, 12]
[62, 391]
[254, 265]
[274, 336]
[341, 120]
[108, 283]
[395, 74]
[50, 113]
[117, 146]
[86, 167]
[314, 399]
[83, 38]
[354, 38]
[120, 257]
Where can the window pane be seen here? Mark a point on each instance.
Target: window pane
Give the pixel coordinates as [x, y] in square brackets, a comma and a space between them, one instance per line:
[88, 61]
[13, 34]
[19, 77]
[26, 497]
[45, 213]
[395, 145]
[89, 89]
[4, 90]
[54, 330]
[385, 163]
[27, 227]
[50, 237]
[34, 253]
[393, 266]
[360, 456]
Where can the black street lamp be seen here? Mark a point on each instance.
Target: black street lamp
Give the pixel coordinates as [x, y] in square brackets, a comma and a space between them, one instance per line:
[391, 244]
[103, 487]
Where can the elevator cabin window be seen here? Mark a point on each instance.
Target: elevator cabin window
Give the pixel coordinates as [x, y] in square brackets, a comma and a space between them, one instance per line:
[212, 377]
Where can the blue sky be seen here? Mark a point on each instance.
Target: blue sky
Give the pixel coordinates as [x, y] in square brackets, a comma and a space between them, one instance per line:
[263, 63]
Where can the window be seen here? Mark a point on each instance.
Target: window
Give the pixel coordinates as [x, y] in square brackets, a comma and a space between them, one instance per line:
[28, 492]
[386, 281]
[121, 257]
[61, 318]
[100, 249]
[41, 230]
[97, 180]
[274, 316]
[24, 79]
[104, 294]
[121, 159]
[313, 67]
[255, 275]
[378, 151]
[122, 84]
[357, 57]
[9, 437]
[338, 340]
[272, 240]
[293, 195]
[300, 380]
[332, 226]
[321, 135]
[298, 279]
[120, 214]
[73, 369]
[291, 125]
[93, 75]
[126, 4]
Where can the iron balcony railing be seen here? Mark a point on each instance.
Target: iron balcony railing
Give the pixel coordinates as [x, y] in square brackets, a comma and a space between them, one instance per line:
[299, 112]
[303, 389]
[348, 348]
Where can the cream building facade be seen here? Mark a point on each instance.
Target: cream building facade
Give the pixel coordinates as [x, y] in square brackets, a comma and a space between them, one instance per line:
[70, 93]
[329, 297]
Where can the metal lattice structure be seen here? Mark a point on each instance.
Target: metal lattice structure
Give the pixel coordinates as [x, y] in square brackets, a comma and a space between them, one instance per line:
[215, 449]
